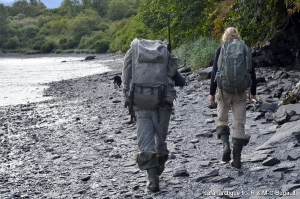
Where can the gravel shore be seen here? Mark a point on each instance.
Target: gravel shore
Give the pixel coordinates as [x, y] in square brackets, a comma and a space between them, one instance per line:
[80, 145]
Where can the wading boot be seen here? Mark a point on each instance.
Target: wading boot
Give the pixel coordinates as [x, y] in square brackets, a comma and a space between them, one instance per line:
[237, 150]
[226, 148]
[147, 160]
[162, 159]
[223, 133]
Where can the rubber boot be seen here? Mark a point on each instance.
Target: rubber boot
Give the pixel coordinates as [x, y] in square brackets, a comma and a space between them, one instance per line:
[226, 148]
[223, 133]
[147, 160]
[162, 159]
[153, 181]
[237, 150]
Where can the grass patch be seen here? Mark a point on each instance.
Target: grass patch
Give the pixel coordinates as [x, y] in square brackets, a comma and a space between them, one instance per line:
[197, 54]
[32, 52]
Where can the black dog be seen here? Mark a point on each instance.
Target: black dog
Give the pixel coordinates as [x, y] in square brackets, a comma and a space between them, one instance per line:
[117, 80]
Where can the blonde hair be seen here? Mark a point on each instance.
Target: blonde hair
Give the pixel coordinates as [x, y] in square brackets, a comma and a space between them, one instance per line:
[230, 33]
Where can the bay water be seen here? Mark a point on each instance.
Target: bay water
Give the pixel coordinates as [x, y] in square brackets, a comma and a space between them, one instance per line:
[22, 77]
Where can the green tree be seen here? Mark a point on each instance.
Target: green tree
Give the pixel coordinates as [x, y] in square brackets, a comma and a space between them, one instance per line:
[117, 9]
[12, 43]
[101, 6]
[30, 31]
[58, 27]
[3, 23]
[48, 47]
[86, 4]
[258, 20]
[33, 2]
[72, 7]
[188, 18]
[84, 24]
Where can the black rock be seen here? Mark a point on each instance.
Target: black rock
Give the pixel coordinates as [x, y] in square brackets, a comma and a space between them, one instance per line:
[90, 57]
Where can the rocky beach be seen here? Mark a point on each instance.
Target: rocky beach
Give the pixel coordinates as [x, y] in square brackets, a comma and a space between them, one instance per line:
[80, 143]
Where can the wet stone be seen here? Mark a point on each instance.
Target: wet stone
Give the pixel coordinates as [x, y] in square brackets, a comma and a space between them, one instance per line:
[194, 141]
[208, 175]
[275, 175]
[259, 158]
[271, 161]
[289, 187]
[204, 163]
[284, 166]
[218, 179]
[181, 173]
[90, 130]
[292, 156]
[85, 178]
[206, 134]
[258, 168]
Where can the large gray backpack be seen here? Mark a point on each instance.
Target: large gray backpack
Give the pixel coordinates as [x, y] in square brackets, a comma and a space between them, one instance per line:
[234, 65]
[151, 85]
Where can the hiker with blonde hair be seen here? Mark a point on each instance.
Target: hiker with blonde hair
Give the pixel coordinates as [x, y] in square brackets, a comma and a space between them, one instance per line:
[232, 74]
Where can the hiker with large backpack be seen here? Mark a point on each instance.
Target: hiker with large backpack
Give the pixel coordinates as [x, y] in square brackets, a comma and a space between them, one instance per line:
[149, 74]
[233, 73]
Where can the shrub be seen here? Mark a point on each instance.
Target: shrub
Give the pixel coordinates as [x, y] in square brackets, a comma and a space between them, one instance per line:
[68, 51]
[48, 47]
[101, 46]
[197, 54]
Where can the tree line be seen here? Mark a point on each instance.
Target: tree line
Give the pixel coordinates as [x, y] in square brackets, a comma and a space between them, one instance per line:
[100, 26]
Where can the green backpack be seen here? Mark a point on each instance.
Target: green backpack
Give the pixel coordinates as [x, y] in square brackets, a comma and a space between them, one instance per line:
[234, 65]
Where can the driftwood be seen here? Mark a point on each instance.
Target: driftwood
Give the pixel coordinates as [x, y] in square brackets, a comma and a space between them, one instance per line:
[293, 97]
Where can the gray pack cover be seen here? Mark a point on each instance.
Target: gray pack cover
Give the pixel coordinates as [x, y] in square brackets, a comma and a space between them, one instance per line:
[151, 68]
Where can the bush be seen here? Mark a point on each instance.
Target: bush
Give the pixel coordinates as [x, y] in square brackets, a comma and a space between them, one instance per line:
[58, 51]
[48, 47]
[101, 46]
[12, 43]
[30, 31]
[71, 43]
[197, 54]
[38, 42]
[68, 51]
[31, 52]
[77, 51]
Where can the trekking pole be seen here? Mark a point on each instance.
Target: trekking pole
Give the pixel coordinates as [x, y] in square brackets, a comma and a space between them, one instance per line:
[169, 45]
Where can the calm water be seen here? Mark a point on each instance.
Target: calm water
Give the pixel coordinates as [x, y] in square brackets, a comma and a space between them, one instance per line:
[21, 78]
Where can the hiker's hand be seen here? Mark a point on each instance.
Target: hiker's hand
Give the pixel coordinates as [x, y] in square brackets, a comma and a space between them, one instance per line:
[252, 97]
[212, 100]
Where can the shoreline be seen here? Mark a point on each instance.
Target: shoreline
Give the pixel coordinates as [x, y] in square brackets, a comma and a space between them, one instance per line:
[30, 88]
